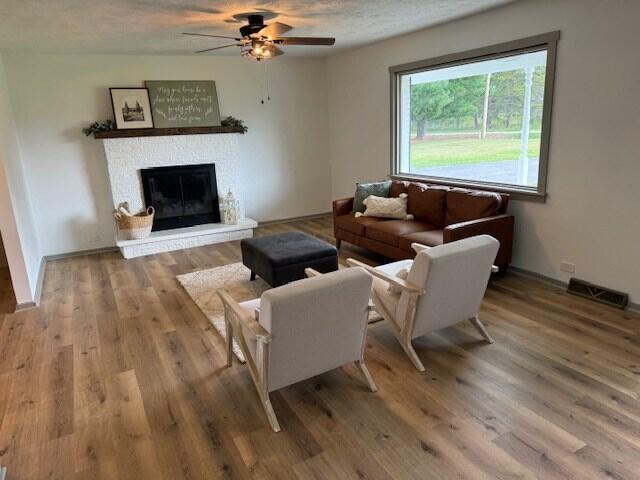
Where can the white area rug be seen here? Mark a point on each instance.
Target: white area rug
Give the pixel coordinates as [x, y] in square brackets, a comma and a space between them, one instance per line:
[203, 285]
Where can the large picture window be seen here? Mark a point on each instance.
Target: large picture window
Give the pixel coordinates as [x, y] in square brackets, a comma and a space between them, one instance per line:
[477, 118]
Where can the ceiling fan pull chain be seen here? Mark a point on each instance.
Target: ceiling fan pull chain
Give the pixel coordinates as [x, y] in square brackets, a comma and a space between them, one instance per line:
[264, 86]
[266, 80]
[262, 83]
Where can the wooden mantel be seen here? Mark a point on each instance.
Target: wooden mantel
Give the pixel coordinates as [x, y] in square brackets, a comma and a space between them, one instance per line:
[158, 132]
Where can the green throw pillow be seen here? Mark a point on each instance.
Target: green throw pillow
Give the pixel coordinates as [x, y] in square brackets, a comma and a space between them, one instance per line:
[363, 190]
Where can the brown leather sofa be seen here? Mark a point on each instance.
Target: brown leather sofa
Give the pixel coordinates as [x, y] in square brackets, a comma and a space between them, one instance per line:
[441, 215]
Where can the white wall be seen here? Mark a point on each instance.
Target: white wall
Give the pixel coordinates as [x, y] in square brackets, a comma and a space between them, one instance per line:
[592, 215]
[284, 155]
[19, 234]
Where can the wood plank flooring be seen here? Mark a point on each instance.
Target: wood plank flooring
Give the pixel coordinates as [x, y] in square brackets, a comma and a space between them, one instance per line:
[119, 375]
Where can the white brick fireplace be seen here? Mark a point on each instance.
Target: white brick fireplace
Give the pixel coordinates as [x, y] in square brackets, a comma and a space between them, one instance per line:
[127, 156]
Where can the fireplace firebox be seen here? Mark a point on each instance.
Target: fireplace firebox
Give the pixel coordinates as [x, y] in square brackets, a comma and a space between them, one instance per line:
[182, 196]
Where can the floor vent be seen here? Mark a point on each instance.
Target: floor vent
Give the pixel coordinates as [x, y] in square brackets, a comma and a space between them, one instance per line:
[597, 293]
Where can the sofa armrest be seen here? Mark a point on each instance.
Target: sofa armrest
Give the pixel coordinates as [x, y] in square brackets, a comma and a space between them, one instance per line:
[499, 227]
[342, 206]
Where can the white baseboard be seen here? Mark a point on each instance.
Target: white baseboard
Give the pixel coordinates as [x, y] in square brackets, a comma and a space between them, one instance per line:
[37, 294]
[538, 276]
[78, 253]
[20, 307]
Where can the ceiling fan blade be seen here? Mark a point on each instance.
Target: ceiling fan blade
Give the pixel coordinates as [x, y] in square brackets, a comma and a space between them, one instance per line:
[305, 41]
[218, 48]
[213, 36]
[274, 30]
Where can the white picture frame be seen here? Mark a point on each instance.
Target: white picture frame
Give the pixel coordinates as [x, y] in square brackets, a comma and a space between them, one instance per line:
[131, 108]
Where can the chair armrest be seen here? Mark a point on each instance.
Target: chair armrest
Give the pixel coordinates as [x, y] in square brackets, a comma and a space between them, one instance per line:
[310, 272]
[342, 206]
[418, 247]
[245, 319]
[391, 279]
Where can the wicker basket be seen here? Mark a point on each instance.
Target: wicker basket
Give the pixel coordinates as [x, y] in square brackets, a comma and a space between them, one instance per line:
[137, 226]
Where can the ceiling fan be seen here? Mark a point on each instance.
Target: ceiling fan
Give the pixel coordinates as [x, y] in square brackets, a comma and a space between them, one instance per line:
[260, 42]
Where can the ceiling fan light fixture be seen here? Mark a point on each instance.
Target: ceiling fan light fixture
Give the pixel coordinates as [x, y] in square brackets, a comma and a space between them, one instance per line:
[256, 54]
[260, 42]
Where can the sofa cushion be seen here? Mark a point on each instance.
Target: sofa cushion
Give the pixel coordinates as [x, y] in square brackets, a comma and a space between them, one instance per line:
[383, 207]
[363, 190]
[390, 231]
[464, 205]
[355, 225]
[431, 238]
[384, 249]
[428, 203]
[397, 187]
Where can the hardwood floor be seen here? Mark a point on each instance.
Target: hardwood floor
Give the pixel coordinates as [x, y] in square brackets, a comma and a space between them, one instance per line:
[119, 375]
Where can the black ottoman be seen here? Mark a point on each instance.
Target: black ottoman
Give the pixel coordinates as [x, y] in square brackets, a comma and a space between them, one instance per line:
[282, 258]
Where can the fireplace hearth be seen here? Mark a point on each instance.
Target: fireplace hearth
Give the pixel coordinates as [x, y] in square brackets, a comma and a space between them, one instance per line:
[182, 196]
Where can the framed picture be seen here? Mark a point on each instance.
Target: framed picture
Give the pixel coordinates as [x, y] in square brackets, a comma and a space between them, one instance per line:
[184, 103]
[131, 108]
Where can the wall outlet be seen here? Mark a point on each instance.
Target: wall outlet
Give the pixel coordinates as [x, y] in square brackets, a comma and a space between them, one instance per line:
[568, 267]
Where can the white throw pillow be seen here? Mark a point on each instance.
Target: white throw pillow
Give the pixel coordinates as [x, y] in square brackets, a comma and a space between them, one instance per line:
[402, 274]
[381, 207]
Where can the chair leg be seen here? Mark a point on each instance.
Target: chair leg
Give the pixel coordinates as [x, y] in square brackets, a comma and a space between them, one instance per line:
[338, 243]
[229, 332]
[475, 321]
[413, 356]
[271, 414]
[367, 376]
[253, 276]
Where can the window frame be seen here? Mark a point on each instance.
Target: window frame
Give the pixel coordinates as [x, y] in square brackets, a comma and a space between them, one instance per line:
[548, 42]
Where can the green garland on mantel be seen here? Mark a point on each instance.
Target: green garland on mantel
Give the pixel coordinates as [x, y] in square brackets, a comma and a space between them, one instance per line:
[230, 121]
[107, 125]
[103, 126]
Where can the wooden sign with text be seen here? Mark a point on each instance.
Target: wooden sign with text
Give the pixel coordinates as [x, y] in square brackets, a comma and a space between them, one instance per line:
[183, 103]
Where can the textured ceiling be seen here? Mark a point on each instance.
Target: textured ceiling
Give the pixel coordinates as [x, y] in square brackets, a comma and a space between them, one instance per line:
[155, 26]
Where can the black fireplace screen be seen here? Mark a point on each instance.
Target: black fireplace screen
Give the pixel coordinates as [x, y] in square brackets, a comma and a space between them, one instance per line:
[182, 196]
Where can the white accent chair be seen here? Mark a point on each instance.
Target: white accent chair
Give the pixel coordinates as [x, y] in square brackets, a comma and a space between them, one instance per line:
[300, 330]
[445, 285]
